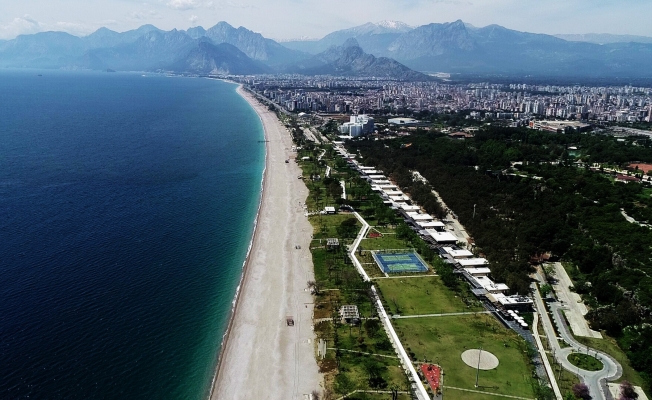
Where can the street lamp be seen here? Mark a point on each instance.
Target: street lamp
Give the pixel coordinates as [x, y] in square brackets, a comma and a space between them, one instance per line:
[477, 374]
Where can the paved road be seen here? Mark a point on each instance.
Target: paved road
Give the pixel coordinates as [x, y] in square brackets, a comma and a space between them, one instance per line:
[596, 381]
[576, 310]
[309, 135]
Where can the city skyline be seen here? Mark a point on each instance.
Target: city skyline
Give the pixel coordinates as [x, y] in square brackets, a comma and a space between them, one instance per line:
[294, 19]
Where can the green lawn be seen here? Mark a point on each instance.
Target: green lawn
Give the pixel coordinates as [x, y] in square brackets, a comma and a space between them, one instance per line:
[355, 366]
[444, 339]
[460, 394]
[427, 295]
[383, 242]
[325, 226]
[585, 362]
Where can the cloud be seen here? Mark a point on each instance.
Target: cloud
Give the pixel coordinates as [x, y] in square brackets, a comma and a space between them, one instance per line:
[20, 26]
[193, 19]
[73, 28]
[145, 15]
[183, 4]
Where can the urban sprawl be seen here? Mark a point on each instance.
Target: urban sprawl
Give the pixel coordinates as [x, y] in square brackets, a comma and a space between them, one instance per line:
[516, 102]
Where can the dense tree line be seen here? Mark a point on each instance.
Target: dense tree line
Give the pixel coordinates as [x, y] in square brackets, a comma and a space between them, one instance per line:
[547, 204]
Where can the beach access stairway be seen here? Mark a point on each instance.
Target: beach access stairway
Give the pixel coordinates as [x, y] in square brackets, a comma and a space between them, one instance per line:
[417, 385]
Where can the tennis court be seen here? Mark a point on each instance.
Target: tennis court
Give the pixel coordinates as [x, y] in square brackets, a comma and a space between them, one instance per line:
[399, 262]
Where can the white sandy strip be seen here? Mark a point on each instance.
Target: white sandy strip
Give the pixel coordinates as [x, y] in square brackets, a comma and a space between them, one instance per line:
[262, 357]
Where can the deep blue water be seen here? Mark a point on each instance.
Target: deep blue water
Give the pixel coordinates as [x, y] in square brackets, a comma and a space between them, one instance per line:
[126, 207]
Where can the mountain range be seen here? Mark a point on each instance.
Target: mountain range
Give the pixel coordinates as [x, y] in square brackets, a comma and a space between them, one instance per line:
[350, 60]
[604, 38]
[388, 49]
[457, 47]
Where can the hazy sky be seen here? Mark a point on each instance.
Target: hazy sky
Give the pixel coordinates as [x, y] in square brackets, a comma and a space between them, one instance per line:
[286, 19]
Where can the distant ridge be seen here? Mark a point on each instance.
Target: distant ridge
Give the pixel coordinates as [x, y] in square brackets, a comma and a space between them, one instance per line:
[459, 47]
[371, 36]
[221, 59]
[350, 60]
[453, 47]
[604, 38]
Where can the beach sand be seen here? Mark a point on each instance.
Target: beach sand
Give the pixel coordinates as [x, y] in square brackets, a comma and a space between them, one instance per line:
[262, 357]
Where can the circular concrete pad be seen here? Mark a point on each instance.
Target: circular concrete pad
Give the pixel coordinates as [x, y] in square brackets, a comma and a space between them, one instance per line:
[487, 360]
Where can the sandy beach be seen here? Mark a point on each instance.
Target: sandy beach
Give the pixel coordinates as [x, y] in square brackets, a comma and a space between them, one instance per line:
[262, 357]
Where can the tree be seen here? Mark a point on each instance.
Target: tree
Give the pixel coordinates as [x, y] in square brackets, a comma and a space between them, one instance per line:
[545, 290]
[627, 391]
[581, 391]
[372, 326]
[343, 384]
[348, 228]
[375, 370]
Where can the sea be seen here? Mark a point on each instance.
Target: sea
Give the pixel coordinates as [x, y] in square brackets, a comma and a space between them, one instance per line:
[127, 206]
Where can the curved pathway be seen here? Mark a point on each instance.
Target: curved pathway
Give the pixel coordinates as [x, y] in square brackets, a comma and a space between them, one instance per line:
[595, 380]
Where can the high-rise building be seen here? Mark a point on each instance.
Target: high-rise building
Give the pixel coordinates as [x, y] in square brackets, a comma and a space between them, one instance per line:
[358, 125]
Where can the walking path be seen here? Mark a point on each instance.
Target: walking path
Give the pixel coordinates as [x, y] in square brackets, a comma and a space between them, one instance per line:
[544, 358]
[420, 390]
[595, 380]
[371, 391]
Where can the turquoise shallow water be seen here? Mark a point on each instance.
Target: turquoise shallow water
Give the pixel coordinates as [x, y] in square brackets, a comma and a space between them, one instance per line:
[126, 207]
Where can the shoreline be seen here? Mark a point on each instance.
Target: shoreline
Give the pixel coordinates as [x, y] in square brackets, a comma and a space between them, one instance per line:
[259, 355]
[243, 275]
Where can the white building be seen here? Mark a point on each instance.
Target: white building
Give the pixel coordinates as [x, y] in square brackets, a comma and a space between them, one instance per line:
[403, 121]
[442, 237]
[358, 125]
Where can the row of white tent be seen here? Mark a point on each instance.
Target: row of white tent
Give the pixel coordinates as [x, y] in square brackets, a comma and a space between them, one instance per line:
[519, 320]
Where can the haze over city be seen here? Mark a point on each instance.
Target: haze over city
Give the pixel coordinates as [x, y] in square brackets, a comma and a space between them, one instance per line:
[293, 19]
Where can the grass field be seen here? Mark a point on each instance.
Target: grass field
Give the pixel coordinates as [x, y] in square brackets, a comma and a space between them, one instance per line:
[444, 340]
[427, 295]
[383, 242]
[585, 362]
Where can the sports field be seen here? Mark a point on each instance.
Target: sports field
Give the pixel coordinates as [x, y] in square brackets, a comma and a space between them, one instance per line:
[399, 262]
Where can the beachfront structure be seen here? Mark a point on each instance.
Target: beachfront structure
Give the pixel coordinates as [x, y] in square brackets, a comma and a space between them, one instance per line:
[442, 237]
[332, 243]
[458, 253]
[489, 285]
[349, 314]
[511, 302]
[358, 125]
[472, 262]
[419, 217]
[399, 198]
[436, 225]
